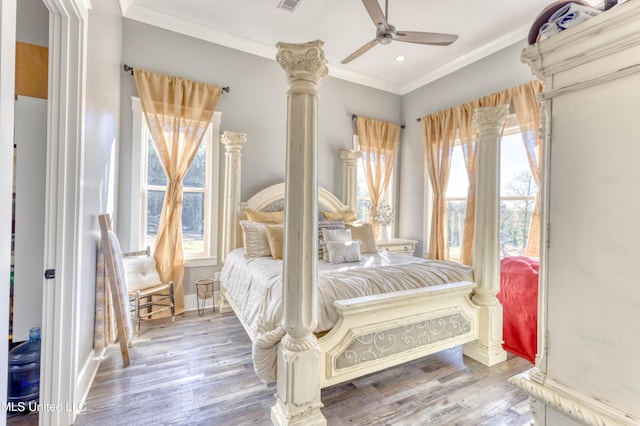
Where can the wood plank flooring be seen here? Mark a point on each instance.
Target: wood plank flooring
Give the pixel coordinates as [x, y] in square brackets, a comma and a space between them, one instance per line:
[198, 371]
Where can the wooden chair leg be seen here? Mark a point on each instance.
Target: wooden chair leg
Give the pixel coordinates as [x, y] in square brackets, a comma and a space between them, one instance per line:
[173, 306]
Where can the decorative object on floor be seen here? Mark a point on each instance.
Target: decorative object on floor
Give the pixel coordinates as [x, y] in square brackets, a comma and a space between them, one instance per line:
[204, 290]
[24, 372]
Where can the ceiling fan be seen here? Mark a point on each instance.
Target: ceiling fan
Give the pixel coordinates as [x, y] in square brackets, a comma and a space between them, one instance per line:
[386, 32]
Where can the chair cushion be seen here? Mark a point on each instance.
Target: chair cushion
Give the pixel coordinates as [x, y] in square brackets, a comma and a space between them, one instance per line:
[141, 273]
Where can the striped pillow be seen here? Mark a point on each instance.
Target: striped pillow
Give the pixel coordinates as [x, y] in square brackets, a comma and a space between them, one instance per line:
[327, 224]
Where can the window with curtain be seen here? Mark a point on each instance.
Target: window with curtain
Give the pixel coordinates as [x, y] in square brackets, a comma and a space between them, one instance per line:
[363, 197]
[199, 191]
[517, 195]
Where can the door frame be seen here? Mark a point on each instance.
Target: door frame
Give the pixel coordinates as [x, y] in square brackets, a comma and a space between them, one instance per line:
[63, 209]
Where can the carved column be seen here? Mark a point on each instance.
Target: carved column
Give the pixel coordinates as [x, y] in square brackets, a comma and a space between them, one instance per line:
[350, 165]
[486, 242]
[231, 203]
[298, 388]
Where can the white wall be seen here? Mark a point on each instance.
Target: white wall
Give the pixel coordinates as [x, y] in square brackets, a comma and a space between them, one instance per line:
[99, 157]
[499, 71]
[256, 105]
[32, 22]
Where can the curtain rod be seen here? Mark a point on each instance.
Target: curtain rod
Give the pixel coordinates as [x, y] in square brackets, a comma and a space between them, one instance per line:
[128, 68]
[353, 117]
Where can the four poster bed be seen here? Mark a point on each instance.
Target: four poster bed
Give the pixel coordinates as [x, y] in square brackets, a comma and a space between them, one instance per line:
[306, 333]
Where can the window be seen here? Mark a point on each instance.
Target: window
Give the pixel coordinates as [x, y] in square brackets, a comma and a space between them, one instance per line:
[363, 199]
[517, 195]
[199, 215]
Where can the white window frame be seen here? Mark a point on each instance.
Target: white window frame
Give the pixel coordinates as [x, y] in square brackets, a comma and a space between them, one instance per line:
[139, 135]
[390, 193]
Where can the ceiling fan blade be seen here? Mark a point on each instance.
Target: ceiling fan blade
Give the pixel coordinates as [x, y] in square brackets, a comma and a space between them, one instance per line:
[360, 51]
[375, 12]
[425, 38]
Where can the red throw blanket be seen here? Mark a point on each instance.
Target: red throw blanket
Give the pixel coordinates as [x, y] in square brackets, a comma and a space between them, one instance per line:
[519, 297]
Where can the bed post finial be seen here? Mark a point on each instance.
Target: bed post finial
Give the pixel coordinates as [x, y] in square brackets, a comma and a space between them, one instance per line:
[298, 364]
[350, 161]
[486, 241]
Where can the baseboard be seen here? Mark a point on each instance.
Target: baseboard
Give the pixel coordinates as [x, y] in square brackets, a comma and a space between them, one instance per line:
[85, 380]
[570, 402]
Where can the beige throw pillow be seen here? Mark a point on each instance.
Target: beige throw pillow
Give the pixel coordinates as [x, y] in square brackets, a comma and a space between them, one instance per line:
[275, 236]
[346, 216]
[265, 217]
[364, 233]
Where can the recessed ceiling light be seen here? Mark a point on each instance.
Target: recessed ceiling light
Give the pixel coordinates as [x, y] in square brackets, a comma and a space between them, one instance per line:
[401, 58]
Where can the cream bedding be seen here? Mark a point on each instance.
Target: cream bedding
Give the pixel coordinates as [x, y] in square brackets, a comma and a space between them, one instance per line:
[255, 287]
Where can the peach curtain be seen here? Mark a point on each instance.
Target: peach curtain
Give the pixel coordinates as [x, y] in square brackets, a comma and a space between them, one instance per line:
[379, 141]
[439, 138]
[442, 126]
[178, 112]
[527, 108]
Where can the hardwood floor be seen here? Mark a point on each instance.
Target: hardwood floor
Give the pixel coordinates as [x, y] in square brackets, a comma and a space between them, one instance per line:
[198, 371]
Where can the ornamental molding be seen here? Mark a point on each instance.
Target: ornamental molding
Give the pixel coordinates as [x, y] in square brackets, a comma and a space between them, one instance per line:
[570, 402]
[302, 60]
[374, 346]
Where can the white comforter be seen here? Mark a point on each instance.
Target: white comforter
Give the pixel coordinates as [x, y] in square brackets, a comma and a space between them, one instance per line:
[255, 287]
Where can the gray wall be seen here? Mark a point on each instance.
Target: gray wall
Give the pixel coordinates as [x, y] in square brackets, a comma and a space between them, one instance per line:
[256, 105]
[499, 71]
[102, 122]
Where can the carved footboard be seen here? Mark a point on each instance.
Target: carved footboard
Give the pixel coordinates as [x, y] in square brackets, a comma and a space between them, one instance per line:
[377, 332]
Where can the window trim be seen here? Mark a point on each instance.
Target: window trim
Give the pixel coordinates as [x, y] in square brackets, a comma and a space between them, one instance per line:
[139, 195]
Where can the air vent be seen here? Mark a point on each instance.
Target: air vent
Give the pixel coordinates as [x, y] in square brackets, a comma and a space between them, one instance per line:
[289, 5]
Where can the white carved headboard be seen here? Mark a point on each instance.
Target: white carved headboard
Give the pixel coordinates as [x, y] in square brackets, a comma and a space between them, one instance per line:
[234, 209]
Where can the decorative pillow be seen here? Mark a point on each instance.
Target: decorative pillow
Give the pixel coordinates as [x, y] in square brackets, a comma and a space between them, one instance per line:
[254, 236]
[327, 224]
[334, 235]
[364, 233]
[265, 217]
[346, 216]
[275, 236]
[343, 251]
[141, 272]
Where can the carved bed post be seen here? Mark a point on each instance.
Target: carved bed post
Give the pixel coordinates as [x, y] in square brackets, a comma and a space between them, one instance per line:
[232, 178]
[298, 365]
[231, 202]
[486, 243]
[350, 193]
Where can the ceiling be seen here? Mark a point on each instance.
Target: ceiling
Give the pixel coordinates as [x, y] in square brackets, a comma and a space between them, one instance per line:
[255, 26]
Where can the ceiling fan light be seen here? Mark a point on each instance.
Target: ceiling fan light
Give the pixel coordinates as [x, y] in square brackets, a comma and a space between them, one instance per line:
[401, 58]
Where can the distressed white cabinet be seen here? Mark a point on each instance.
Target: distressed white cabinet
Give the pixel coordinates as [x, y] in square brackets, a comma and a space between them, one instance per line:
[589, 333]
[397, 245]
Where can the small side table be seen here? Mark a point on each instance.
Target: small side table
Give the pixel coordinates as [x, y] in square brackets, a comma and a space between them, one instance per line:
[204, 291]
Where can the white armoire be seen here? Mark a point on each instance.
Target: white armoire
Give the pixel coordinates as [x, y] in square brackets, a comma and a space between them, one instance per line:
[588, 365]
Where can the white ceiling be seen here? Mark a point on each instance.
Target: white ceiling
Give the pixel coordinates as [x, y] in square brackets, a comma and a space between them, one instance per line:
[255, 26]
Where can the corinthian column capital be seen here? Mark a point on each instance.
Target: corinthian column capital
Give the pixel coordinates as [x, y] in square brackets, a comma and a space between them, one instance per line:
[233, 141]
[302, 60]
[490, 119]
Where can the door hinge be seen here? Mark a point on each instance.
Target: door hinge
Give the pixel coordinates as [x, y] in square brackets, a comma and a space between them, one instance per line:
[50, 274]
